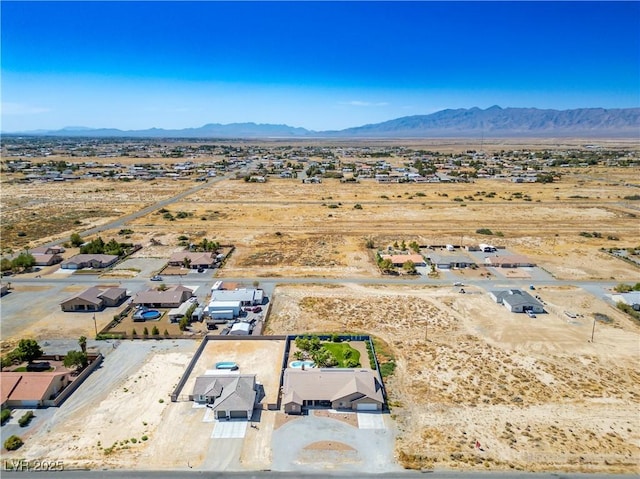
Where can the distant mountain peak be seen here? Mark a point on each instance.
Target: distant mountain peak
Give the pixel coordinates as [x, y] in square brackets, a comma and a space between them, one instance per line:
[461, 122]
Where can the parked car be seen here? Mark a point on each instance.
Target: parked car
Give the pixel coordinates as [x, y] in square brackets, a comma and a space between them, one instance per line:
[156, 278]
[532, 287]
[200, 270]
[458, 283]
[531, 314]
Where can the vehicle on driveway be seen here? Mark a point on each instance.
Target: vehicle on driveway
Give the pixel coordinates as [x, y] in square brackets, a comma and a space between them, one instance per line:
[531, 314]
[156, 278]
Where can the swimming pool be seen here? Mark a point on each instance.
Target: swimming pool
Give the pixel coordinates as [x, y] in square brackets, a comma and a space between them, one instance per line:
[151, 314]
[227, 365]
[146, 314]
[299, 364]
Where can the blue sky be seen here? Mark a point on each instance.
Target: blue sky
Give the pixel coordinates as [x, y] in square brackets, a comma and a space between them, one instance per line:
[318, 65]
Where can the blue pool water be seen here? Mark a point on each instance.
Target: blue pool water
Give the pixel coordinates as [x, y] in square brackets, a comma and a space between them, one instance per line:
[299, 364]
[226, 365]
[150, 314]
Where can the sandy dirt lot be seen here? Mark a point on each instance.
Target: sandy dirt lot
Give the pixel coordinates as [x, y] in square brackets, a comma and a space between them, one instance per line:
[130, 421]
[114, 419]
[534, 393]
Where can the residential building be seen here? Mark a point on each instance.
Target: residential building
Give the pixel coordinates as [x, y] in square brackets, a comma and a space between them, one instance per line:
[337, 388]
[517, 301]
[231, 396]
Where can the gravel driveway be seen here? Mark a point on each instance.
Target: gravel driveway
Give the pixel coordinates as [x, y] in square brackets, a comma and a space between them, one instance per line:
[373, 447]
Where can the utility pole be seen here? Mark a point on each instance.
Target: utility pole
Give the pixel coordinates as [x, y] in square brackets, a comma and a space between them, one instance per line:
[593, 329]
[426, 331]
[95, 325]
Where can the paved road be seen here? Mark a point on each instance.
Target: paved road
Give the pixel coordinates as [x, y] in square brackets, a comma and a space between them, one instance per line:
[149, 209]
[302, 475]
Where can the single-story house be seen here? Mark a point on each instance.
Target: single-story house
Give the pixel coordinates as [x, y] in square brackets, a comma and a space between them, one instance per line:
[195, 260]
[509, 261]
[337, 388]
[80, 261]
[449, 261]
[246, 296]
[170, 298]
[231, 396]
[29, 389]
[517, 301]
[47, 255]
[400, 259]
[94, 299]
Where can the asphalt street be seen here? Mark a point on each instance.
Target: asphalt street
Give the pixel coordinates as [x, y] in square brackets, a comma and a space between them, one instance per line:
[124, 474]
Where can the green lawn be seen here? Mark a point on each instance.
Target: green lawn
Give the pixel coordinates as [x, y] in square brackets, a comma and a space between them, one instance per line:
[339, 350]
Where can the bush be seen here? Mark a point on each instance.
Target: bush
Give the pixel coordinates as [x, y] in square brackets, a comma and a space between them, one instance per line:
[5, 415]
[25, 419]
[13, 443]
[144, 438]
[484, 231]
[155, 331]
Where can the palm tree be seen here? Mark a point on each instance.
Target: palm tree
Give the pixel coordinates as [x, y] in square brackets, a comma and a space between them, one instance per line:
[83, 344]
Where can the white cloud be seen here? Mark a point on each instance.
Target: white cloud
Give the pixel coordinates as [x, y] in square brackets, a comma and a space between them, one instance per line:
[363, 103]
[22, 109]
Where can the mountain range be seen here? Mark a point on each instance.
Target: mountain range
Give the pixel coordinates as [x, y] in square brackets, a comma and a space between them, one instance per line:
[473, 122]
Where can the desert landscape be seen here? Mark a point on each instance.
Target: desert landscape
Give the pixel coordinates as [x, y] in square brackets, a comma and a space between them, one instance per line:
[470, 385]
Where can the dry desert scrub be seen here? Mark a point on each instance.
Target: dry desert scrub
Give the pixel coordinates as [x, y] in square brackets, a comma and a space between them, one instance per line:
[530, 408]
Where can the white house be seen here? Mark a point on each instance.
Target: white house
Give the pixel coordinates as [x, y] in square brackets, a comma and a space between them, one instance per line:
[517, 301]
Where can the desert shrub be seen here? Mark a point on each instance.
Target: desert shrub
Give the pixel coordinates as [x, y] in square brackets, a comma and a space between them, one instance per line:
[623, 288]
[5, 415]
[357, 206]
[335, 338]
[387, 369]
[484, 231]
[144, 438]
[25, 419]
[155, 331]
[12, 443]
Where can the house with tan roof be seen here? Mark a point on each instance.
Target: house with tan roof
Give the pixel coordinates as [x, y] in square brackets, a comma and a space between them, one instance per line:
[31, 389]
[195, 260]
[400, 259]
[94, 299]
[172, 297]
[337, 388]
[98, 261]
[231, 396]
[47, 255]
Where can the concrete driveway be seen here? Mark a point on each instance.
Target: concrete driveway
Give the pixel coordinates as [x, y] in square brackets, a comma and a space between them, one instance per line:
[350, 449]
